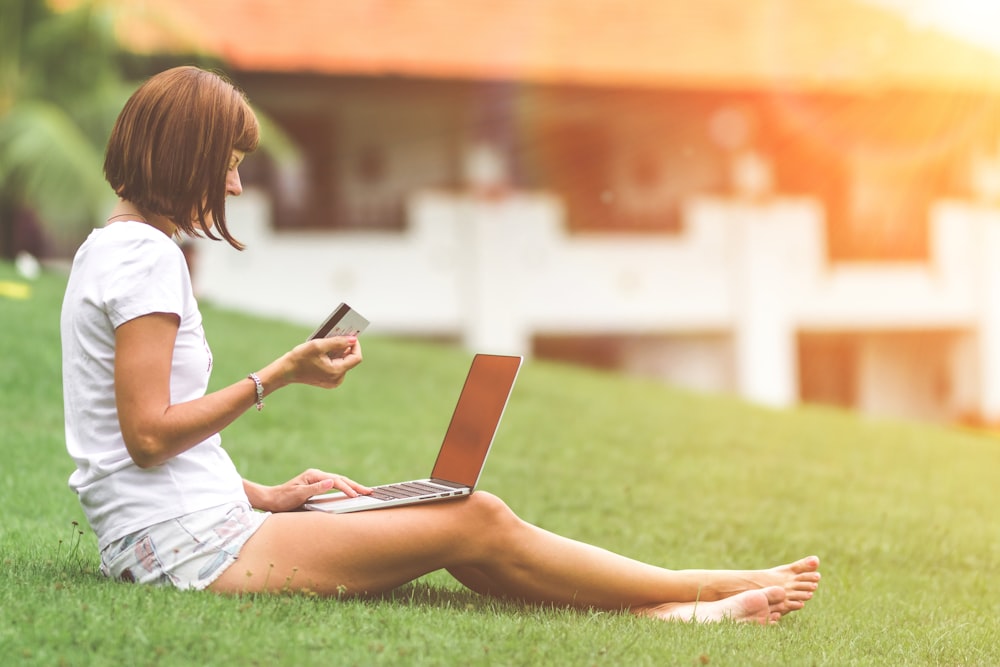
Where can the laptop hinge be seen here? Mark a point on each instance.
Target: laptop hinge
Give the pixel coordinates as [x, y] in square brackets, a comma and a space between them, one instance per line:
[444, 482]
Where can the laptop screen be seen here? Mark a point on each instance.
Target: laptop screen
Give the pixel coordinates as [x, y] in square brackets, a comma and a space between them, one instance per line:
[476, 418]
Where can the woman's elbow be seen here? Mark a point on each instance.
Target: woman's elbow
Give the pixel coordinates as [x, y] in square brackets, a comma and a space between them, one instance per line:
[145, 451]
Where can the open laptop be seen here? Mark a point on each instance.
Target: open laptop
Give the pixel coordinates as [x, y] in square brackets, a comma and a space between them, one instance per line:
[463, 452]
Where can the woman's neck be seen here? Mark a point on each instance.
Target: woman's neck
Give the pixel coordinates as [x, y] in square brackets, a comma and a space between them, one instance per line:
[126, 210]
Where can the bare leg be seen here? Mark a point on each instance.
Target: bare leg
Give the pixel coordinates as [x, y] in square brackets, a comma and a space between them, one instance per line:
[483, 544]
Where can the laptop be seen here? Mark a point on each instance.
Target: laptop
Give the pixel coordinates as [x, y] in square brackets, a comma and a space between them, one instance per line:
[463, 452]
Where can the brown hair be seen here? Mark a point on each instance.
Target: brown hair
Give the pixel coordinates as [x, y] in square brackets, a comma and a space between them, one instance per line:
[170, 148]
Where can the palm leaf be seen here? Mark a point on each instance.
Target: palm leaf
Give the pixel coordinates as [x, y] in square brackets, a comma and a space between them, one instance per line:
[47, 163]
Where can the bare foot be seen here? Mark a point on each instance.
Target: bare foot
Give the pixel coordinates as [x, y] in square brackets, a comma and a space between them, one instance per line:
[761, 606]
[799, 579]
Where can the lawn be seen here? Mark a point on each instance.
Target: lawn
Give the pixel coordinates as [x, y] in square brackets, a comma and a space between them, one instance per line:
[903, 516]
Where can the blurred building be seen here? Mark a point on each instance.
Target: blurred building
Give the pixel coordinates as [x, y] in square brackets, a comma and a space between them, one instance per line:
[789, 200]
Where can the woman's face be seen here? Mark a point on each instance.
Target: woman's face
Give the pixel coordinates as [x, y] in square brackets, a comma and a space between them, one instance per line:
[234, 186]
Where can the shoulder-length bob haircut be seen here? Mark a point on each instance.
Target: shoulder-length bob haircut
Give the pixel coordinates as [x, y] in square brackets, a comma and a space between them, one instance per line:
[171, 146]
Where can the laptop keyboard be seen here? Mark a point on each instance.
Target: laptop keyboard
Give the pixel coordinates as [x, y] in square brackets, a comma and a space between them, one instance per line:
[404, 490]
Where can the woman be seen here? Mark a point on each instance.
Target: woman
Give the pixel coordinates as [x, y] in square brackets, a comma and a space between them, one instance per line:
[163, 496]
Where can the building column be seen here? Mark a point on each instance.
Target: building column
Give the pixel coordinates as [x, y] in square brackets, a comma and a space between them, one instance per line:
[493, 278]
[765, 354]
[989, 313]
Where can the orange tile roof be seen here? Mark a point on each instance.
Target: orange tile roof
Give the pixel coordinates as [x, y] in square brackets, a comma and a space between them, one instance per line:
[734, 43]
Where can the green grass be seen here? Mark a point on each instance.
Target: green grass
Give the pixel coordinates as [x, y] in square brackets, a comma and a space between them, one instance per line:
[904, 517]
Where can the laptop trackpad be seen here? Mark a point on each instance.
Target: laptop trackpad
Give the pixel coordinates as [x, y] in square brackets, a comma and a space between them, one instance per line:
[338, 502]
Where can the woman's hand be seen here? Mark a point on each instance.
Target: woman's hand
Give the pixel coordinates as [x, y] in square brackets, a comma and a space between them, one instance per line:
[322, 362]
[293, 494]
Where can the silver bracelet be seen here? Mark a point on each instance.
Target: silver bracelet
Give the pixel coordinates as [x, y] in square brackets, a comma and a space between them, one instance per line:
[260, 391]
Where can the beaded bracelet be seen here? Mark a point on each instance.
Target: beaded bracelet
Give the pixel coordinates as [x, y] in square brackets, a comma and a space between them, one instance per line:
[260, 391]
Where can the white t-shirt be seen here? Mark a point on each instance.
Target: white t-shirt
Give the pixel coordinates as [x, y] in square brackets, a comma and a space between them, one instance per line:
[121, 272]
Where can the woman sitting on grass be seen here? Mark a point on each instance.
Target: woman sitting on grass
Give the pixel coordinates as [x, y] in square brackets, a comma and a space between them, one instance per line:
[164, 497]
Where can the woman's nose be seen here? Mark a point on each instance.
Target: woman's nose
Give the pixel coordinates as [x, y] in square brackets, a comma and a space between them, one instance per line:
[234, 186]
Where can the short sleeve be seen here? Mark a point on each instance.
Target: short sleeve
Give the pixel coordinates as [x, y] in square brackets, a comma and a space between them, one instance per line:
[152, 277]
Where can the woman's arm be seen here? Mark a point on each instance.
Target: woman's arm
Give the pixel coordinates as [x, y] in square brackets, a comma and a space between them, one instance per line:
[155, 431]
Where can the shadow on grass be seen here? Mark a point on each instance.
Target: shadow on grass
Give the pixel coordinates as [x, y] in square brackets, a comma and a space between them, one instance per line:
[423, 595]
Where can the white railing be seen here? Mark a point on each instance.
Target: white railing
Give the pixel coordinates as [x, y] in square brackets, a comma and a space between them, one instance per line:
[493, 274]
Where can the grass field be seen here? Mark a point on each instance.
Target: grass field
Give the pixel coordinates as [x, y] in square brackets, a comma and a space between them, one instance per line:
[904, 517]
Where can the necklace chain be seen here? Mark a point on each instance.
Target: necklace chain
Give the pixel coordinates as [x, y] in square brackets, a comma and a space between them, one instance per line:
[132, 216]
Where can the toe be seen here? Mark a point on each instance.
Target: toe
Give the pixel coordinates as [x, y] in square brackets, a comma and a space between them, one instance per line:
[804, 565]
[775, 594]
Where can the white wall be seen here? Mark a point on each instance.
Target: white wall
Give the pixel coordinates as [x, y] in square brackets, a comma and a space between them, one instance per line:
[496, 273]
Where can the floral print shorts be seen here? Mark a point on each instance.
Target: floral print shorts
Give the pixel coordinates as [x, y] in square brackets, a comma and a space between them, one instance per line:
[188, 552]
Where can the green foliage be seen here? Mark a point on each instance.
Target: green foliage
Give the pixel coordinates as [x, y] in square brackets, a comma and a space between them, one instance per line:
[901, 514]
[45, 152]
[61, 87]
[63, 82]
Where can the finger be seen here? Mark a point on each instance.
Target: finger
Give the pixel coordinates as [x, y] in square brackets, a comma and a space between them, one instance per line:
[342, 484]
[360, 488]
[307, 490]
[338, 341]
[351, 356]
[338, 346]
[346, 484]
[313, 475]
[337, 369]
